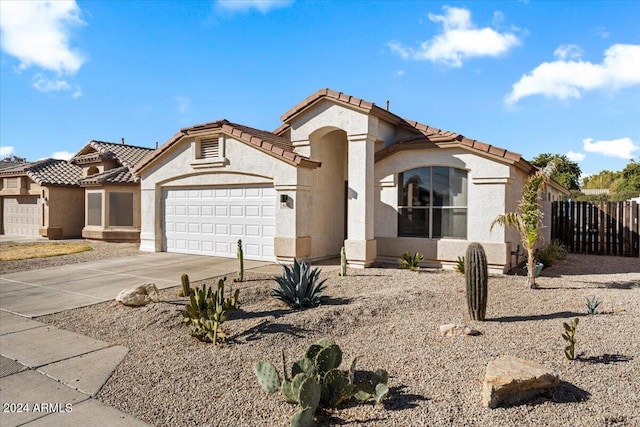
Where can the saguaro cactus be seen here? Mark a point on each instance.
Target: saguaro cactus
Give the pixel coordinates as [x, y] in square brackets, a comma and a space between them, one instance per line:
[240, 276]
[477, 278]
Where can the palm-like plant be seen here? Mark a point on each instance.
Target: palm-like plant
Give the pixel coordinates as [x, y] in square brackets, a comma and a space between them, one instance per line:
[527, 220]
[298, 287]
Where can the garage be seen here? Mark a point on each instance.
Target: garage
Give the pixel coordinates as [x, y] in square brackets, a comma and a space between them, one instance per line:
[21, 215]
[209, 221]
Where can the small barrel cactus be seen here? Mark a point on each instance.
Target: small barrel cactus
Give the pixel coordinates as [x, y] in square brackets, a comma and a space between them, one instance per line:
[477, 278]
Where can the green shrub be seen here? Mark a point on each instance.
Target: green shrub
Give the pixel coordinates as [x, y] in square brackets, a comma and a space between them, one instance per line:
[551, 253]
[460, 265]
[316, 380]
[410, 261]
[297, 285]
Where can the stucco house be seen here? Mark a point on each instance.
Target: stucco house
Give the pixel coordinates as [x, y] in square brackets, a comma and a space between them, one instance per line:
[111, 192]
[339, 171]
[42, 199]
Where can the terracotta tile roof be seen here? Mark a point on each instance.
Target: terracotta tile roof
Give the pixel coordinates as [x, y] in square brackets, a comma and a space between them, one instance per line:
[47, 172]
[126, 155]
[121, 175]
[424, 133]
[264, 140]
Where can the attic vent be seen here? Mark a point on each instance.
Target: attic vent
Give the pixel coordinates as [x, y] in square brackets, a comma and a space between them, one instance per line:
[209, 148]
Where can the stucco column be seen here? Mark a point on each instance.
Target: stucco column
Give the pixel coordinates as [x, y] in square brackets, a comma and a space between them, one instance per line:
[360, 245]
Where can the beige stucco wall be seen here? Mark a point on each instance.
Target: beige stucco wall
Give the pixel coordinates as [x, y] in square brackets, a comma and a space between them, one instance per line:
[64, 212]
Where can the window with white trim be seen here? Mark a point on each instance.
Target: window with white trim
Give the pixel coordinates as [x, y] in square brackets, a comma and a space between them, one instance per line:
[432, 202]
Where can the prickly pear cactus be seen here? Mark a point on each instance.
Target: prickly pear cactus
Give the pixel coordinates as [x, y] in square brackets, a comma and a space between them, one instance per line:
[268, 376]
[477, 278]
[316, 380]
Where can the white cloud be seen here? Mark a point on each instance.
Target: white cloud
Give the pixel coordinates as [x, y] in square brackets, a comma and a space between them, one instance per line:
[459, 40]
[38, 33]
[46, 85]
[262, 6]
[183, 103]
[400, 73]
[6, 151]
[62, 155]
[576, 157]
[602, 32]
[623, 147]
[570, 51]
[569, 76]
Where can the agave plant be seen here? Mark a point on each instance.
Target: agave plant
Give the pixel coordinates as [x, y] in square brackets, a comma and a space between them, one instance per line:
[298, 287]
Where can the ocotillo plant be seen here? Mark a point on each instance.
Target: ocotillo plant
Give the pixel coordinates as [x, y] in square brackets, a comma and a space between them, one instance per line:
[240, 276]
[477, 278]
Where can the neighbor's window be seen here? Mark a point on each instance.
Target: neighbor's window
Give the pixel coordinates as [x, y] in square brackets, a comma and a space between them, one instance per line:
[121, 209]
[432, 202]
[94, 209]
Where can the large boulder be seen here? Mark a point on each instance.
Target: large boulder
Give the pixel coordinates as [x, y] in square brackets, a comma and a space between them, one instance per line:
[140, 295]
[512, 380]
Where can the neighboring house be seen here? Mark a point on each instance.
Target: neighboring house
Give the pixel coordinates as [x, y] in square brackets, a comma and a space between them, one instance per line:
[42, 199]
[112, 193]
[340, 171]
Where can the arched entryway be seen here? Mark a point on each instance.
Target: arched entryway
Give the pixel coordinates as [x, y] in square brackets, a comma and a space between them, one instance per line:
[330, 191]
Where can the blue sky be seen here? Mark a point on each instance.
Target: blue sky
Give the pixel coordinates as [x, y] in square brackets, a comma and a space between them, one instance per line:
[531, 77]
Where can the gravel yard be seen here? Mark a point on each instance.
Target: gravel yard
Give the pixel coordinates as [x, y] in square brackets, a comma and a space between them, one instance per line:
[389, 318]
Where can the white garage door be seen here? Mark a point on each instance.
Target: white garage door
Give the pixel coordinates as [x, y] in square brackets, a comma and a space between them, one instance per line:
[21, 215]
[209, 221]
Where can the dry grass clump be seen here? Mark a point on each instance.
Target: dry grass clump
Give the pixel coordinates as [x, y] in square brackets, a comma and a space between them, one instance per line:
[12, 252]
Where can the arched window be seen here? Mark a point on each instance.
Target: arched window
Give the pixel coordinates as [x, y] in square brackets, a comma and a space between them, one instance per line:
[432, 202]
[92, 171]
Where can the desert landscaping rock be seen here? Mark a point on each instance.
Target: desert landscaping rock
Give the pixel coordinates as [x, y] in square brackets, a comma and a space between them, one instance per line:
[389, 319]
[140, 295]
[455, 330]
[510, 380]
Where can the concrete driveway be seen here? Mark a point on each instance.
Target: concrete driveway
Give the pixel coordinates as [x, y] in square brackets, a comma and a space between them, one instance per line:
[51, 290]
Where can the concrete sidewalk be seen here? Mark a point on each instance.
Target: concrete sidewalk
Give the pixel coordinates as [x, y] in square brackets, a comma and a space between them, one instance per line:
[48, 376]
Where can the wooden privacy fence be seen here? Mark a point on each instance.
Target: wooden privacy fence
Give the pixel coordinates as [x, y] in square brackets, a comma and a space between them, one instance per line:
[610, 228]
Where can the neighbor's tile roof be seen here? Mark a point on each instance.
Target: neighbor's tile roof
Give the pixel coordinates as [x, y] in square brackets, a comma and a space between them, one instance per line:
[126, 155]
[47, 172]
[424, 133]
[121, 175]
[264, 140]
